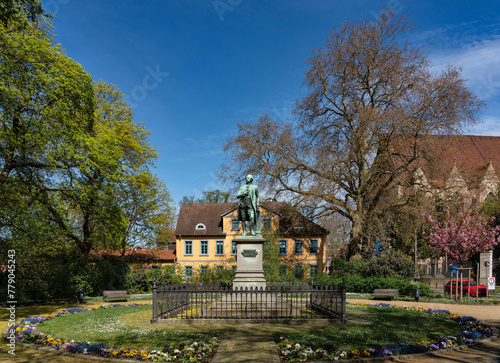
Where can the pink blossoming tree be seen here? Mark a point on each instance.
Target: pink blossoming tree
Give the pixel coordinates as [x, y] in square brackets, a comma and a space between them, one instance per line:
[463, 237]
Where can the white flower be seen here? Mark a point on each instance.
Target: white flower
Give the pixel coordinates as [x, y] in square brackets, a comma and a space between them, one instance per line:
[297, 346]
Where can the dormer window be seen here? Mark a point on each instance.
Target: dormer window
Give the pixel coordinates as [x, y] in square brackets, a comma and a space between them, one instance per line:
[200, 226]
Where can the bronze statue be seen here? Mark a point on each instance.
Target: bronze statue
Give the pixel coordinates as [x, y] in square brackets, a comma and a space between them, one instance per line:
[249, 207]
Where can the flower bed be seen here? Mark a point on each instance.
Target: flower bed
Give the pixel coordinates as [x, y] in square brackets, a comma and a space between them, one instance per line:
[28, 332]
[472, 330]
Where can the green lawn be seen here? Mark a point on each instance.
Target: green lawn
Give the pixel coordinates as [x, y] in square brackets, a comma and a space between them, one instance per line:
[126, 326]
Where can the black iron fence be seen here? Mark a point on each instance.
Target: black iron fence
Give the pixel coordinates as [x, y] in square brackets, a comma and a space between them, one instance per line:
[275, 301]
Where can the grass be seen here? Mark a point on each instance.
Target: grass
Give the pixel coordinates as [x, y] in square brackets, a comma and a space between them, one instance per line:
[25, 355]
[126, 326]
[372, 327]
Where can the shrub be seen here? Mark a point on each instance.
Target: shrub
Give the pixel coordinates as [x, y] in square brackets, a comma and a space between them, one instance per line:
[360, 284]
[140, 280]
[392, 264]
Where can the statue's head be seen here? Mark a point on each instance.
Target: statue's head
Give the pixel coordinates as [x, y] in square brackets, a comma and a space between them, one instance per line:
[249, 178]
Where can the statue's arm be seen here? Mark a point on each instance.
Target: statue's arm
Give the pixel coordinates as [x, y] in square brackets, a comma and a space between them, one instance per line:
[241, 193]
[257, 198]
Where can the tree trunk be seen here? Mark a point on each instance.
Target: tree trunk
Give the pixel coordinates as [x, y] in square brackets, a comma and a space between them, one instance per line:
[355, 241]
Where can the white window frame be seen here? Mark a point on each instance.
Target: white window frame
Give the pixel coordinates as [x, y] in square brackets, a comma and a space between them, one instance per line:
[186, 244]
[201, 247]
[217, 244]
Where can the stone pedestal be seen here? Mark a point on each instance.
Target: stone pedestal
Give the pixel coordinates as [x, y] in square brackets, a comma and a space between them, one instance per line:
[483, 270]
[249, 272]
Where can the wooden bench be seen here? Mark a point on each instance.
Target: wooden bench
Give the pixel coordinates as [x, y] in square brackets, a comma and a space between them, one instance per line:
[385, 293]
[115, 294]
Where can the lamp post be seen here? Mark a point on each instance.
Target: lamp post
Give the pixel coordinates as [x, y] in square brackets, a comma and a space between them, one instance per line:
[486, 264]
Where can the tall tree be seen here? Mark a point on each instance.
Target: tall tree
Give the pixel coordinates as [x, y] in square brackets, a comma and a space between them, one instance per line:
[46, 109]
[115, 200]
[368, 88]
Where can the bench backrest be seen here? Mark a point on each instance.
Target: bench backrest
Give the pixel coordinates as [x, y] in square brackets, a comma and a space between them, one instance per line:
[114, 292]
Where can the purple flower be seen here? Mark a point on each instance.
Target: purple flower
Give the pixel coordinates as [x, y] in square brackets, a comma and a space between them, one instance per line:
[85, 351]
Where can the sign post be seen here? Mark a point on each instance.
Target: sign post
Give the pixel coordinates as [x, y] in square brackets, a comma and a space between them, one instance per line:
[491, 285]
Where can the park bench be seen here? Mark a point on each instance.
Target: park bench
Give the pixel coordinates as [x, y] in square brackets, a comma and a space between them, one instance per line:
[385, 293]
[115, 294]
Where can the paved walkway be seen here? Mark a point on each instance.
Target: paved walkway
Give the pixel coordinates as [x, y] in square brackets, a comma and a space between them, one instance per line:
[247, 344]
[251, 344]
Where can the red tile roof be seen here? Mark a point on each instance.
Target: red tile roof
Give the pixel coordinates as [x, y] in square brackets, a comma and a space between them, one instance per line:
[471, 154]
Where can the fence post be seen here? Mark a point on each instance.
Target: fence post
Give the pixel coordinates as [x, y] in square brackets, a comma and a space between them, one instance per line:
[155, 303]
[344, 302]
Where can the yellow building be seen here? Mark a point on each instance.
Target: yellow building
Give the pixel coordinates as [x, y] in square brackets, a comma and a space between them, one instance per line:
[206, 232]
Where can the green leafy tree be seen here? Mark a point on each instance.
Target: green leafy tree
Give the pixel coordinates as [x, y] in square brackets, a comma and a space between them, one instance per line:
[20, 12]
[75, 170]
[210, 196]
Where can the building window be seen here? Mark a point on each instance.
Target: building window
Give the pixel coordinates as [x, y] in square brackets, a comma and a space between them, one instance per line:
[219, 248]
[203, 248]
[282, 247]
[141, 267]
[298, 271]
[297, 247]
[235, 225]
[204, 269]
[282, 270]
[313, 270]
[188, 248]
[155, 267]
[188, 272]
[313, 247]
[233, 248]
[219, 268]
[266, 224]
[200, 226]
[233, 267]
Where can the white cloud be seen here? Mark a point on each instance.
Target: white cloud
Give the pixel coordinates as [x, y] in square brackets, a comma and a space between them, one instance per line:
[480, 63]
[490, 126]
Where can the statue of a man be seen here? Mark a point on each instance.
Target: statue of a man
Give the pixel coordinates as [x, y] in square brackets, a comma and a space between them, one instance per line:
[249, 206]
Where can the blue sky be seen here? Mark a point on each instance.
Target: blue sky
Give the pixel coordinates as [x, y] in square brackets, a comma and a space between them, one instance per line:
[193, 69]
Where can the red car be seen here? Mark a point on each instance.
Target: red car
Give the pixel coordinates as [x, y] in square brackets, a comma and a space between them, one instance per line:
[466, 285]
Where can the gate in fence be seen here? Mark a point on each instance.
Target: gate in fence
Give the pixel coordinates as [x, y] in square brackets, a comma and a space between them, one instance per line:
[275, 301]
